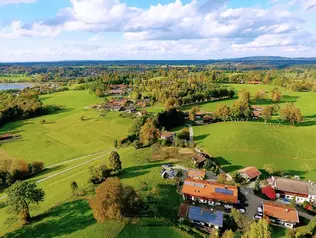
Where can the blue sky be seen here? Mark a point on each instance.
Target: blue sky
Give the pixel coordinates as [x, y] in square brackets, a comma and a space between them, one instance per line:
[47, 30]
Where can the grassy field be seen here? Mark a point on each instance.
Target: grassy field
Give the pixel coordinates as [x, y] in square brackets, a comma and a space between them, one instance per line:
[239, 144]
[65, 136]
[61, 215]
[15, 78]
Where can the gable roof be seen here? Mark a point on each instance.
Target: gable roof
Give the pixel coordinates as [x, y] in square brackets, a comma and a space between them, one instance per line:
[291, 185]
[280, 211]
[204, 215]
[198, 158]
[201, 214]
[251, 172]
[196, 173]
[210, 190]
[167, 134]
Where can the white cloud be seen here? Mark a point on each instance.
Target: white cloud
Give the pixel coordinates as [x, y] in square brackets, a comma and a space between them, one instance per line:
[4, 2]
[16, 29]
[96, 38]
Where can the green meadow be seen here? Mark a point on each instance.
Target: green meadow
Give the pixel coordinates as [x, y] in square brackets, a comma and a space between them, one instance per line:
[63, 215]
[65, 136]
[240, 144]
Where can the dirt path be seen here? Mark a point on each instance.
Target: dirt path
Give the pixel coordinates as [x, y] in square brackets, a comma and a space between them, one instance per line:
[74, 167]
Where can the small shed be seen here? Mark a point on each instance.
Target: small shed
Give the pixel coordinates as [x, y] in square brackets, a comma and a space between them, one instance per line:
[199, 159]
[249, 173]
[166, 135]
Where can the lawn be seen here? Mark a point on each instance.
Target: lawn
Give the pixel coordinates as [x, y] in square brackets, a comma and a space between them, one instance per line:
[65, 135]
[62, 215]
[239, 144]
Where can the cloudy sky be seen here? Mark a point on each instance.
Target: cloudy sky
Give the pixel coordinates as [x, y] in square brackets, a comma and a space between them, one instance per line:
[45, 30]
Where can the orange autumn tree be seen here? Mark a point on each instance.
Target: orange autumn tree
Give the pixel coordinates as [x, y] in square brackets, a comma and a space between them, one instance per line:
[113, 200]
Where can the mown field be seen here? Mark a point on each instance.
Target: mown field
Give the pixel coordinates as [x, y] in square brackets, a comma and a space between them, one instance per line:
[65, 135]
[239, 144]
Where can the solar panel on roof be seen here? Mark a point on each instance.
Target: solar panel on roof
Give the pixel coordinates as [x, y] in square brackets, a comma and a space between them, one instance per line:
[199, 185]
[224, 191]
[188, 183]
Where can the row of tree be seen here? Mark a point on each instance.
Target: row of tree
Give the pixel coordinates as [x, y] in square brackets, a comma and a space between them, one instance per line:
[14, 170]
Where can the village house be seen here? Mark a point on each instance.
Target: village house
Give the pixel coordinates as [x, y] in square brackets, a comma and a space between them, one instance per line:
[257, 112]
[199, 159]
[249, 173]
[207, 119]
[289, 188]
[196, 174]
[207, 191]
[199, 115]
[166, 135]
[280, 214]
[201, 216]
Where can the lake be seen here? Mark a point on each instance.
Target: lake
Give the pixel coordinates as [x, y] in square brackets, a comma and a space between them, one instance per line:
[7, 86]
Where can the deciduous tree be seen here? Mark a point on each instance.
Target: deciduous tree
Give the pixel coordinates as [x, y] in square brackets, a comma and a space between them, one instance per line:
[149, 132]
[259, 229]
[114, 201]
[21, 195]
[222, 112]
[276, 95]
[267, 113]
[291, 114]
[115, 161]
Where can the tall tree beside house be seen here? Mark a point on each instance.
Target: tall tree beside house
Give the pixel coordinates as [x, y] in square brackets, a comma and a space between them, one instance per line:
[239, 219]
[20, 196]
[259, 229]
[115, 162]
[222, 112]
[241, 110]
[113, 200]
[276, 95]
[267, 113]
[192, 113]
[291, 114]
[149, 132]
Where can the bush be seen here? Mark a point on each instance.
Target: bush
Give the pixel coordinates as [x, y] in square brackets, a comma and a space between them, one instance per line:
[137, 145]
[99, 173]
[36, 167]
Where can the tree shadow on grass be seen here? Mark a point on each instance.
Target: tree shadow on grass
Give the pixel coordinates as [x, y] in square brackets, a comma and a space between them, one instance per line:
[232, 168]
[285, 99]
[139, 170]
[62, 220]
[308, 121]
[201, 137]
[221, 161]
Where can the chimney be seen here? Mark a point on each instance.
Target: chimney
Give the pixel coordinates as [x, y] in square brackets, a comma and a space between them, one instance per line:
[287, 210]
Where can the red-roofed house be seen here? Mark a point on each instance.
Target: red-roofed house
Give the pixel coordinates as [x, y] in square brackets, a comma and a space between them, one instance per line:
[281, 214]
[196, 174]
[206, 191]
[249, 173]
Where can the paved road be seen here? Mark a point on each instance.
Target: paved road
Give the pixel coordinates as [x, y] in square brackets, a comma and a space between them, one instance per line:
[191, 133]
[69, 169]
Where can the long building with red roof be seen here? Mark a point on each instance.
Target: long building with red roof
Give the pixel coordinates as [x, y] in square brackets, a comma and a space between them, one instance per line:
[208, 191]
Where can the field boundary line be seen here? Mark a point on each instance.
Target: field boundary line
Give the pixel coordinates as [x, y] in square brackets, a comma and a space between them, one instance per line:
[66, 170]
